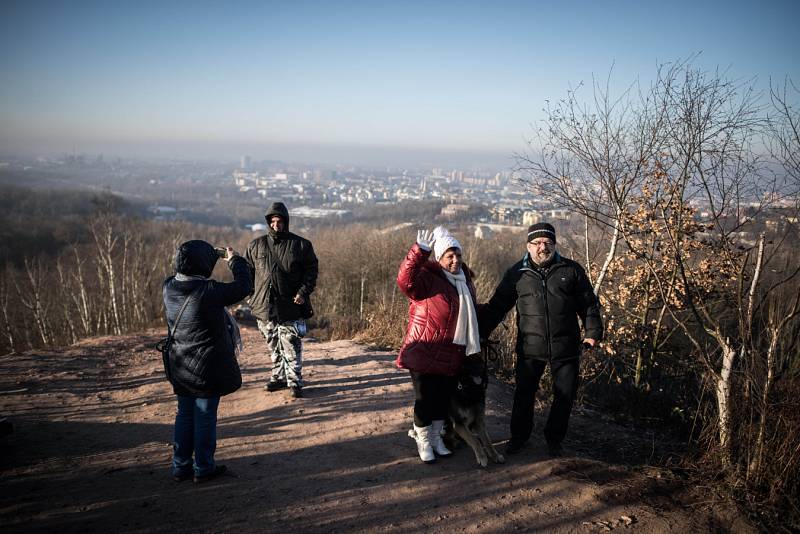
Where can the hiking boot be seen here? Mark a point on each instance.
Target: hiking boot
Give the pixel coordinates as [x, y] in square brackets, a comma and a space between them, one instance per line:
[555, 449]
[422, 435]
[180, 477]
[275, 385]
[437, 429]
[218, 470]
[297, 392]
[514, 446]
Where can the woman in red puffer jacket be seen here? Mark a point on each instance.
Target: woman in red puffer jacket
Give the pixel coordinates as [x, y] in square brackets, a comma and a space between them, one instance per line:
[442, 330]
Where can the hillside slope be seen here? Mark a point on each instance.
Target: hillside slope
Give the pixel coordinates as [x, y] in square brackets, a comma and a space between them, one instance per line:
[91, 448]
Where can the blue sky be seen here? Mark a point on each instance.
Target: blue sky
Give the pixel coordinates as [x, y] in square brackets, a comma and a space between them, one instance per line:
[222, 78]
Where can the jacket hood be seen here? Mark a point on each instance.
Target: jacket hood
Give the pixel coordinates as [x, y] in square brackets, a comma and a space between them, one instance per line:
[278, 208]
[196, 258]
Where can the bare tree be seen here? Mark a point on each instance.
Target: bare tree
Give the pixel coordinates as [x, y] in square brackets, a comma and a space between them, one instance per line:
[590, 158]
[80, 294]
[785, 130]
[673, 173]
[66, 293]
[106, 239]
[32, 296]
[4, 308]
[780, 319]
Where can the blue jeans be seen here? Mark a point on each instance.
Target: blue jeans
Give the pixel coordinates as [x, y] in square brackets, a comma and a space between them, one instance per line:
[195, 432]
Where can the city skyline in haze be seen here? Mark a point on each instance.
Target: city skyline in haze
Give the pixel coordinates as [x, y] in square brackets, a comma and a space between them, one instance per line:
[350, 82]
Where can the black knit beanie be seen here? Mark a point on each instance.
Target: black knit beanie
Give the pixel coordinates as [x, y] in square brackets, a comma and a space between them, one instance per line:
[541, 230]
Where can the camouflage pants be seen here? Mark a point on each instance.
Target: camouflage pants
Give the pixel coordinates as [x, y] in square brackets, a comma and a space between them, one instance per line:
[284, 342]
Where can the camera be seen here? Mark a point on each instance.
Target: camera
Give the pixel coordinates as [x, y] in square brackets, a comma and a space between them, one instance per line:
[222, 252]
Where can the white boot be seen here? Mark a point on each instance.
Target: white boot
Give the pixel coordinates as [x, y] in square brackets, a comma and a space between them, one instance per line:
[422, 435]
[437, 430]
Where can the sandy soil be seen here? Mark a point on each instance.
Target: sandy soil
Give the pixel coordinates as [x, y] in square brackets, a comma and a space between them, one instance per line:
[91, 447]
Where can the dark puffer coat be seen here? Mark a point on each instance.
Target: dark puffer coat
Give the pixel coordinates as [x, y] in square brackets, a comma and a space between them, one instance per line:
[549, 303]
[202, 359]
[283, 265]
[432, 316]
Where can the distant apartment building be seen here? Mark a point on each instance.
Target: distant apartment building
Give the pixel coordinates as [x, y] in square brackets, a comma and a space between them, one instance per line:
[506, 213]
[242, 178]
[530, 217]
[452, 210]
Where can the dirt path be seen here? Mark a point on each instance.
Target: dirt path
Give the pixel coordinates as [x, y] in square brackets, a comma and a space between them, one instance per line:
[90, 453]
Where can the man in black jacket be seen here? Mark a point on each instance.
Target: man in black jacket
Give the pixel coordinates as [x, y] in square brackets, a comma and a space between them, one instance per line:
[284, 269]
[201, 365]
[550, 292]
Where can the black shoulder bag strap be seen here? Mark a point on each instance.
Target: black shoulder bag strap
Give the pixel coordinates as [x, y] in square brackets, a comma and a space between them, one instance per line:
[165, 344]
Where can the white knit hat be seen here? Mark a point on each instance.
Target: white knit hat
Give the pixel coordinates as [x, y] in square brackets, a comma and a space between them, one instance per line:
[443, 240]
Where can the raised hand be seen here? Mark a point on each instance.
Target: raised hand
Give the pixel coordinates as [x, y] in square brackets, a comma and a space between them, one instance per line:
[425, 239]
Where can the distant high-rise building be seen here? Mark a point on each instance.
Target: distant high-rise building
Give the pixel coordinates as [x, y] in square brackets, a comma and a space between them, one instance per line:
[244, 162]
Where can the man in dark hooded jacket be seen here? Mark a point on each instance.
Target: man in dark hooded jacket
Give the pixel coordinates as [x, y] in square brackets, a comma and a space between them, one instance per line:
[202, 363]
[284, 269]
[551, 293]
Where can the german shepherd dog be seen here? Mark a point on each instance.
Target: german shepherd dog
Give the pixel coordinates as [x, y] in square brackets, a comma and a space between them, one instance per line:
[468, 410]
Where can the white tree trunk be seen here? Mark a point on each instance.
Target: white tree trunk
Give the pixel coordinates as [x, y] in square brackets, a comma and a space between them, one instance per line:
[7, 330]
[724, 397]
[123, 281]
[33, 299]
[612, 251]
[106, 244]
[67, 295]
[586, 248]
[775, 331]
[754, 283]
[361, 300]
[755, 465]
[83, 302]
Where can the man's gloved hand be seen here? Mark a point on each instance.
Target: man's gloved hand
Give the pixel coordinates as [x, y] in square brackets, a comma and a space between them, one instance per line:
[425, 239]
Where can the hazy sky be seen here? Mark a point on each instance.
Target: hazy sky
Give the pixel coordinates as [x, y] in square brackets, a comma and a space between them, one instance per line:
[227, 78]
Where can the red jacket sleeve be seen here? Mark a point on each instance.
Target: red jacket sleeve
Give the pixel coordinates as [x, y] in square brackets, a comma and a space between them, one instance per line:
[412, 279]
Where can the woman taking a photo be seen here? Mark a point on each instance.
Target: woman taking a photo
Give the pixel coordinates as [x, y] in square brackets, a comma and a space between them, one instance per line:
[201, 361]
[442, 330]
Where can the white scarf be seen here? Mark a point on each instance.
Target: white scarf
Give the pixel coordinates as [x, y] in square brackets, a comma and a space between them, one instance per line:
[467, 325]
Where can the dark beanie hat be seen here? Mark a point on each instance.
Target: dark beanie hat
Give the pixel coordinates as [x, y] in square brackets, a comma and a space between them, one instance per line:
[541, 230]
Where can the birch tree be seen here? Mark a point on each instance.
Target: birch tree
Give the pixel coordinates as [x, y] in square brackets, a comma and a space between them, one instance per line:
[8, 331]
[32, 293]
[106, 240]
[672, 174]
